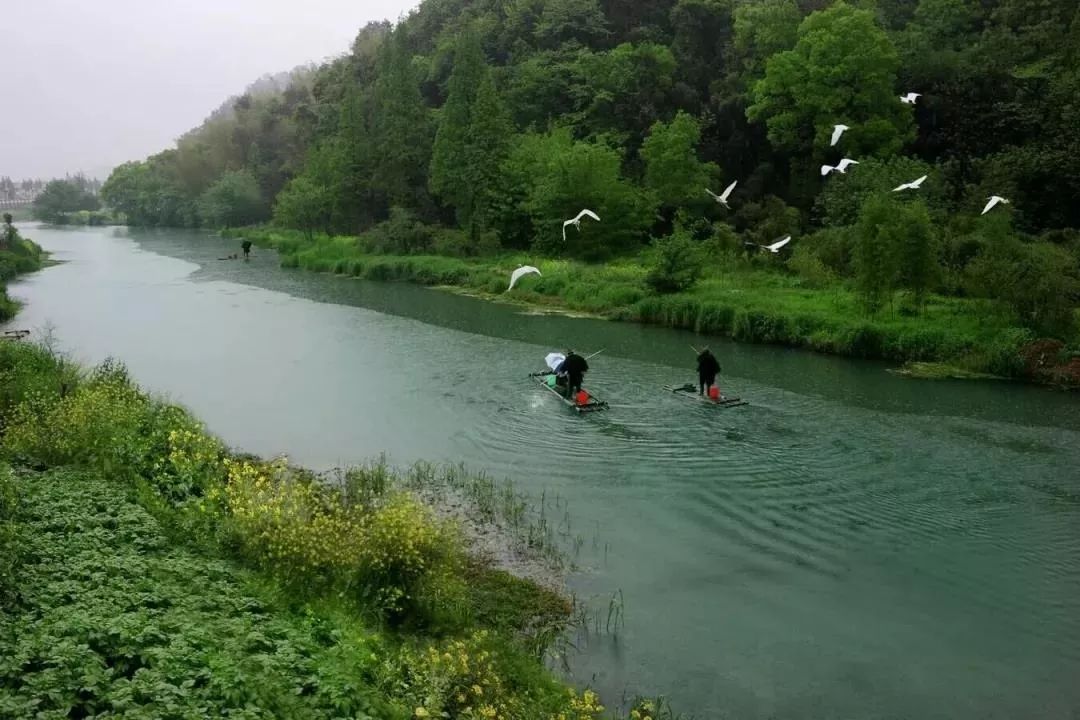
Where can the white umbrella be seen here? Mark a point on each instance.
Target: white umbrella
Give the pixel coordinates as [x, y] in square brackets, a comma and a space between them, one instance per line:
[554, 360]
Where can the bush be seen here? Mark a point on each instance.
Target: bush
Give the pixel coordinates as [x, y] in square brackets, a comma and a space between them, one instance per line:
[391, 555]
[29, 370]
[465, 679]
[401, 234]
[810, 268]
[675, 264]
[99, 425]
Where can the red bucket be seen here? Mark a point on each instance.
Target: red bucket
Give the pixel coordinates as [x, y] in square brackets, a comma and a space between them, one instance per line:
[714, 392]
[582, 397]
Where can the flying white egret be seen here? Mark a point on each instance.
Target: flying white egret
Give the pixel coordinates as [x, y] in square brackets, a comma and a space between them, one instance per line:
[994, 200]
[837, 131]
[775, 247]
[576, 222]
[722, 198]
[913, 185]
[521, 272]
[910, 98]
[840, 167]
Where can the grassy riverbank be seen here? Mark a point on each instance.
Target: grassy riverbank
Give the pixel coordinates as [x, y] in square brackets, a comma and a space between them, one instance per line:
[742, 300]
[17, 256]
[144, 567]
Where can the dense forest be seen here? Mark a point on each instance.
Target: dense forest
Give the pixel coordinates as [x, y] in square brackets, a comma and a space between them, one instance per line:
[473, 126]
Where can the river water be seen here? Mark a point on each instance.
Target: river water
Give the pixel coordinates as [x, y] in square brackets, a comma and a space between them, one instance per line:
[850, 545]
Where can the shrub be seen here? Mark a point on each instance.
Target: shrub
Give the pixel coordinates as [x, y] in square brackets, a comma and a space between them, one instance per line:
[287, 523]
[392, 555]
[462, 679]
[99, 425]
[675, 264]
[401, 543]
[30, 370]
[810, 268]
[401, 234]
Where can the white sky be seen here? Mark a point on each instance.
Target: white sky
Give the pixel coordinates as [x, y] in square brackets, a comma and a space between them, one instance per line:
[87, 85]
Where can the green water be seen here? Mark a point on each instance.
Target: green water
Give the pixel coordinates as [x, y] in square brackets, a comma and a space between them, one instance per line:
[851, 545]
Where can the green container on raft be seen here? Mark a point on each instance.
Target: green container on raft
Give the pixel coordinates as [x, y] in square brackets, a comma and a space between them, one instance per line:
[550, 380]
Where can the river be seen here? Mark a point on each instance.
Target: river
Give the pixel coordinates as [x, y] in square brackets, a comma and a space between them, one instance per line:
[850, 545]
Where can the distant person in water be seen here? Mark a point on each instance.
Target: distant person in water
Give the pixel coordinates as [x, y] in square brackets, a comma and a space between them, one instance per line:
[246, 247]
[574, 367]
[707, 368]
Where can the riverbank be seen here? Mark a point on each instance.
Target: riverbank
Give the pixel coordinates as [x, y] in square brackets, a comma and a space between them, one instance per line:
[161, 569]
[18, 256]
[969, 336]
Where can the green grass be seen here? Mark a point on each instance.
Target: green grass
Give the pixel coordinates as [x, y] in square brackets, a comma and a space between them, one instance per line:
[745, 300]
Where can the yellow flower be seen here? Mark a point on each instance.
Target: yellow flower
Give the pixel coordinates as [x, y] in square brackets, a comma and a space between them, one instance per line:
[421, 712]
[477, 690]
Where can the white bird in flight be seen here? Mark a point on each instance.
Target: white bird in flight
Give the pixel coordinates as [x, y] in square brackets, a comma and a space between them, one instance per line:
[775, 247]
[521, 272]
[913, 185]
[576, 222]
[910, 98]
[994, 200]
[722, 198]
[840, 167]
[838, 130]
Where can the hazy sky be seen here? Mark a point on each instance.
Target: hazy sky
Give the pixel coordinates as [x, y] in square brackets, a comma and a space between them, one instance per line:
[89, 85]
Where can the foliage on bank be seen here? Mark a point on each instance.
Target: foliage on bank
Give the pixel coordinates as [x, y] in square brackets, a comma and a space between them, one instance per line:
[474, 127]
[17, 256]
[145, 566]
[732, 296]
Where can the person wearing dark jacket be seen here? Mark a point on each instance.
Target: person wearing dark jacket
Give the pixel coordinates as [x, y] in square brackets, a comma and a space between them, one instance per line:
[707, 368]
[246, 247]
[574, 367]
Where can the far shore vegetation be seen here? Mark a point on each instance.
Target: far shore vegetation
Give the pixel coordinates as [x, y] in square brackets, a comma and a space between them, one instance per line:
[451, 145]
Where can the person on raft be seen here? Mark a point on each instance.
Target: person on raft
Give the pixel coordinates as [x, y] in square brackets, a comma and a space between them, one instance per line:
[574, 368]
[707, 368]
[246, 247]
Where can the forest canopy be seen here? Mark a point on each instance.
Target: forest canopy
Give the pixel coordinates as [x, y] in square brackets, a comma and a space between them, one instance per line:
[498, 120]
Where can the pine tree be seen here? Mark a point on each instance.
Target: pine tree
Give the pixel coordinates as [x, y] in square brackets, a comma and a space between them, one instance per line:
[402, 127]
[487, 146]
[449, 176]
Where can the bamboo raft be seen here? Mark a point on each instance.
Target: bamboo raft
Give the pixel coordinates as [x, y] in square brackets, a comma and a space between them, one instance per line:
[692, 393]
[591, 406]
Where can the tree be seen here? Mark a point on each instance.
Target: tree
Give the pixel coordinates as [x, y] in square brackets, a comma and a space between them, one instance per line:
[471, 142]
[402, 127]
[61, 197]
[875, 258]
[580, 21]
[844, 195]
[1038, 281]
[233, 200]
[841, 70]
[763, 29]
[622, 92]
[304, 205]
[917, 252]
[560, 176]
[672, 168]
[675, 264]
[7, 239]
[896, 247]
